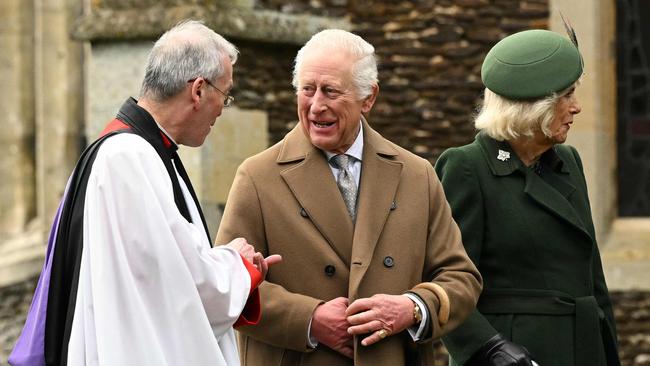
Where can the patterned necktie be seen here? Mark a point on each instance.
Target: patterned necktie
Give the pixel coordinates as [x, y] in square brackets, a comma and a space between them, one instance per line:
[346, 183]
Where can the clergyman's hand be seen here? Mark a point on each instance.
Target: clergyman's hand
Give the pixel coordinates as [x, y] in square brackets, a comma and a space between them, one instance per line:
[262, 264]
[243, 248]
[330, 327]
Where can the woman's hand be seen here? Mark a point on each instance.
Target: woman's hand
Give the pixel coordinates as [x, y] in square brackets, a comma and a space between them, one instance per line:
[498, 351]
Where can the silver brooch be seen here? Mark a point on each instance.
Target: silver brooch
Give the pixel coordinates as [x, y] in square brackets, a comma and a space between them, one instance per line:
[503, 155]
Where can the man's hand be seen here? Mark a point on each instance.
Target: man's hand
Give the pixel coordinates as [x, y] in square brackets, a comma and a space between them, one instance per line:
[330, 327]
[381, 315]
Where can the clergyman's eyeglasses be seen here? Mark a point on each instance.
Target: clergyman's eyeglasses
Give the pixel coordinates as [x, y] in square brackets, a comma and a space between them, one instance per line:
[229, 98]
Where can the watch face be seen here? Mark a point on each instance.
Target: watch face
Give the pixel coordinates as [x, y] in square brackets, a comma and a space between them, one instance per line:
[417, 314]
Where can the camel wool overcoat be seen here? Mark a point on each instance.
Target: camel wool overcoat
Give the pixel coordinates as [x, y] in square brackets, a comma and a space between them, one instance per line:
[285, 201]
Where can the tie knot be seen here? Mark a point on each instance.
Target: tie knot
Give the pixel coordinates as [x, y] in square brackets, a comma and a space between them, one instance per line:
[341, 161]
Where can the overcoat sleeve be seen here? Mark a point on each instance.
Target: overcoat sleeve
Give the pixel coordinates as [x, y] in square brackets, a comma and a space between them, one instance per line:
[285, 315]
[447, 264]
[463, 192]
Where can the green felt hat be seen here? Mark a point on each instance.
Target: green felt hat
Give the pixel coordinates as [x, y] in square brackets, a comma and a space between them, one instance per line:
[531, 64]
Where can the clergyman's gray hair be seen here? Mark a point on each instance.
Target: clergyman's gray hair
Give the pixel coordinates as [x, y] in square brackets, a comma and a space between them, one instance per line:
[364, 70]
[187, 51]
[505, 119]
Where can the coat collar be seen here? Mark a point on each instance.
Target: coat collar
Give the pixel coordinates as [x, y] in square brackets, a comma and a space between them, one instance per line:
[296, 145]
[310, 179]
[502, 159]
[552, 190]
[144, 124]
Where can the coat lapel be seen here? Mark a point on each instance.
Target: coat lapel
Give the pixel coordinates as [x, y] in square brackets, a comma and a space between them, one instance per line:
[552, 199]
[310, 179]
[552, 193]
[380, 176]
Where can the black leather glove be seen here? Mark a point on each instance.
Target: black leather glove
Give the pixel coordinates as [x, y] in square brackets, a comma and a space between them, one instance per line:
[498, 351]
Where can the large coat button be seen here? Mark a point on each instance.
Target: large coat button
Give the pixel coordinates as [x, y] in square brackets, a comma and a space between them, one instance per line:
[389, 262]
[329, 270]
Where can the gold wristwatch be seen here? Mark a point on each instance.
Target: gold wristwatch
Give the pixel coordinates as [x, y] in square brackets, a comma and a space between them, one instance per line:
[417, 313]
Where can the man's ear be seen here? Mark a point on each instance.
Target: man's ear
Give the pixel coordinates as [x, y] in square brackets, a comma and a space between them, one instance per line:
[369, 101]
[196, 91]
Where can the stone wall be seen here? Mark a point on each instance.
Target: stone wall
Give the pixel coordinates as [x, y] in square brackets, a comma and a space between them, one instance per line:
[262, 78]
[430, 53]
[632, 312]
[41, 104]
[17, 205]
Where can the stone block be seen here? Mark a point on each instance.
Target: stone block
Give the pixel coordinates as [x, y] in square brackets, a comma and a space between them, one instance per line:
[115, 72]
[237, 22]
[17, 189]
[17, 163]
[21, 257]
[237, 135]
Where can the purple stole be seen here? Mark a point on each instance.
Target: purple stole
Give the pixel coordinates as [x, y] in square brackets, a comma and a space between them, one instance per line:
[30, 348]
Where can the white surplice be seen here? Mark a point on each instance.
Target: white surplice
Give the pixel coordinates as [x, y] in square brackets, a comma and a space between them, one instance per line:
[151, 290]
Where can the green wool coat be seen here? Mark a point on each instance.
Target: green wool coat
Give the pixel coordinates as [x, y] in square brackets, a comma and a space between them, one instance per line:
[531, 235]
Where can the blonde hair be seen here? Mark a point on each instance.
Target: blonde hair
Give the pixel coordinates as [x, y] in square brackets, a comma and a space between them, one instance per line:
[506, 119]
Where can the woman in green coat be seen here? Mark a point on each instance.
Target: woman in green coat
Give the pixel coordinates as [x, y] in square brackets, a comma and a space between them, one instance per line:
[520, 199]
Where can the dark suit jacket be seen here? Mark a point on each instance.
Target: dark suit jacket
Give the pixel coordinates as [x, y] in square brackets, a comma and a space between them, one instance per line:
[285, 200]
[532, 238]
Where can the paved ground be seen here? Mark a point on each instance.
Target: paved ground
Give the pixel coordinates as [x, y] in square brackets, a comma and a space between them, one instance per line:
[626, 258]
[14, 304]
[626, 255]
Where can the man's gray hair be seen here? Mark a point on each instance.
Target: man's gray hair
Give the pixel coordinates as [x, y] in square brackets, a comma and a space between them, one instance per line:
[506, 119]
[187, 51]
[364, 70]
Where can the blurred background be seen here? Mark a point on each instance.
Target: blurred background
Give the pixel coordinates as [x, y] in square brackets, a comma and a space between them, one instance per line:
[67, 65]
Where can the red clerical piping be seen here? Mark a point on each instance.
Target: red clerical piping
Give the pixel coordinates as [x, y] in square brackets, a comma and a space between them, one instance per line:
[114, 125]
[165, 139]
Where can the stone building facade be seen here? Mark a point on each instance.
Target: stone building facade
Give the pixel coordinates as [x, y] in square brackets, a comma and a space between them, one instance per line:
[71, 63]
